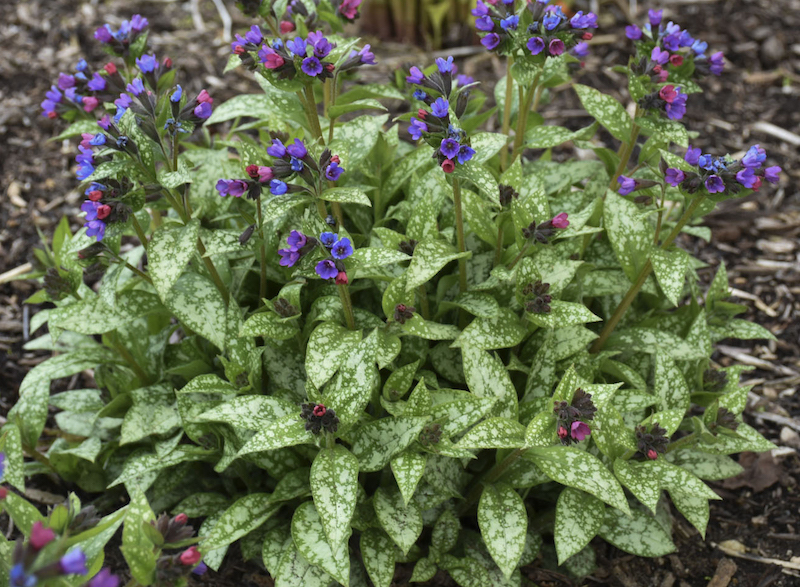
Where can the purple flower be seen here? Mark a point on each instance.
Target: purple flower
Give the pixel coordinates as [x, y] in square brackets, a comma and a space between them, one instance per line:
[19, 578]
[755, 156]
[579, 430]
[147, 63]
[103, 34]
[97, 83]
[677, 108]
[440, 107]
[771, 174]
[367, 56]
[674, 177]
[96, 228]
[686, 39]
[136, 87]
[465, 153]
[535, 45]
[311, 66]
[716, 63]
[297, 46]
[333, 171]
[581, 49]
[415, 76]
[138, 23]
[672, 42]
[583, 21]
[65, 81]
[202, 110]
[633, 32]
[104, 579]
[326, 269]
[556, 47]
[231, 187]
[480, 9]
[296, 240]
[417, 128]
[659, 56]
[319, 44]
[655, 17]
[449, 148]
[747, 177]
[176, 95]
[277, 149]
[74, 562]
[288, 257]
[342, 249]
[551, 20]
[200, 569]
[510, 23]
[714, 184]
[484, 23]
[328, 239]
[90, 208]
[445, 65]
[464, 80]
[278, 187]
[627, 185]
[692, 155]
[491, 41]
[123, 102]
[297, 149]
[254, 35]
[2, 465]
[104, 122]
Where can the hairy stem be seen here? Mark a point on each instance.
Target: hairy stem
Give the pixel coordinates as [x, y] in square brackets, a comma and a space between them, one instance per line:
[310, 107]
[522, 117]
[462, 247]
[498, 249]
[423, 300]
[262, 290]
[347, 304]
[507, 110]
[139, 232]
[627, 151]
[521, 254]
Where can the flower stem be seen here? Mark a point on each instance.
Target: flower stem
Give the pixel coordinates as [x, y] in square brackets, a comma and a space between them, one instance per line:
[310, 106]
[519, 256]
[323, 211]
[139, 232]
[462, 247]
[493, 475]
[640, 280]
[522, 117]
[262, 290]
[498, 249]
[660, 214]
[423, 300]
[347, 304]
[507, 110]
[627, 151]
[130, 359]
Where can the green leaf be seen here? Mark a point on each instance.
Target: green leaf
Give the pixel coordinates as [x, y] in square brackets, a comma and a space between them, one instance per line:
[745, 330]
[670, 130]
[670, 385]
[334, 486]
[21, 512]
[351, 389]
[646, 488]
[408, 468]
[295, 571]
[458, 415]
[563, 314]
[430, 330]
[487, 144]
[346, 196]
[11, 447]
[676, 162]
[287, 431]
[476, 303]
[487, 377]
[272, 109]
[630, 234]
[378, 553]
[309, 537]
[606, 110]
[403, 523]
[369, 258]
[338, 109]
[578, 518]
[670, 269]
[503, 521]
[269, 325]
[637, 533]
[695, 509]
[424, 570]
[417, 160]
[482, 178]
[327, 346]
[706, 466]
[573, 467]
[239, 519]
[77, 128]
[494, 433]
[137, 548]
[357, 137]
[196, 302]
[378, 441]
[500, 332]
[445, 533]
[429, 258]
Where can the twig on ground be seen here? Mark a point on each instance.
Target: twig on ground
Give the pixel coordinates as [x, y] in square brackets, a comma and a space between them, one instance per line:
[756, 558]
[12, 274]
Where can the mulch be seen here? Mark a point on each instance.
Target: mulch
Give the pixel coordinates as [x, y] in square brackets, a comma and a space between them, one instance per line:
[758, 238]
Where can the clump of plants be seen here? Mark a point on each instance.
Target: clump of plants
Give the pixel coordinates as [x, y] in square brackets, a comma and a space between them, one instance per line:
[347, 341]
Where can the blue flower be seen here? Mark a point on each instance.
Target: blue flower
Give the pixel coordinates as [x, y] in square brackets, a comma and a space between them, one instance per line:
[491, 41]
[440, 108]
[96, 228]
[583, 21]
[74, 562]
[297, 46]
[755, 156]
[465, 153]
[136, 87]
[2, 465]
[328, 239]
[551, 20]
[254, 35]
[326, 269]
[464, 80]
[311, 66]
[480, 9]
[445, 66]
[296, 164]
[98, 140]
[19, 578]
[97, 83]
[510, 23]
[420, 95]
[417, 128]
[82, 65]
[449, 148]
[277, 149]
[699, 47]
[147, 63]
[535, 45]
[176, 95]
[714, 184]
[333, 171]
[342, 249]
[705, 161]
[484, 23]
[278, 187]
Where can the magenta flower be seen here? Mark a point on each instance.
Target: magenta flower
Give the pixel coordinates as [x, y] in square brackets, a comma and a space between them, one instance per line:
[579, 430]
[349, 8]
[556, 47]
[270, 58]
[41, 536]
[560, 220]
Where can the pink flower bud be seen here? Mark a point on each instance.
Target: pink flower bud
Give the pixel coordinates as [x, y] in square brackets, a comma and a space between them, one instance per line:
[204, 97]
[287, 27]
[110, 68]
[562, 432]
[190, 556]
[560, 221]
[341, 278]
[41, 536]
[181, 519]
[319, 410]
[448, 166]
[652, 454]
[90, 103]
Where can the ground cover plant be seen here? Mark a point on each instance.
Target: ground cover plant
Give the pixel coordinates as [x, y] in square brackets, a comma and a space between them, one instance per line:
[345, 350]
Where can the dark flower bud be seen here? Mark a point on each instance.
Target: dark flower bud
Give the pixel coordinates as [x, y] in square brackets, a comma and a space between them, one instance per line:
[726, 419]
[284, 308]
[643, 200]
[431, 434]
[651, 443]
[714, 380]
[91, 251]
[403, 313]
[461, 103]
[318, 418]
[507, 194]
[407, 247]
[254, 190]
[85, 519]
[56, 286]
[252, 171]
[245, 236]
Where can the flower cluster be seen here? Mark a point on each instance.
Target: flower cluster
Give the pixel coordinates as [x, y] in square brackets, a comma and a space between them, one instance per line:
[544, 232]
[104, 207]
[535, 28]
[570, 425]
[319, 418]
[339, 249]
[436, 126]
[402, 313]
[722, 174]
[299, 246]
[651, 443]
[28, 571]
[119, 42]
[540, 300]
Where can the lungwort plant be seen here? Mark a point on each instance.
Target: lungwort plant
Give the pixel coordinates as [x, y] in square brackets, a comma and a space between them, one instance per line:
[344, 342]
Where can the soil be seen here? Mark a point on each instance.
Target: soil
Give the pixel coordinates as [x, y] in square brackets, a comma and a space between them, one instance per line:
[758, 238]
